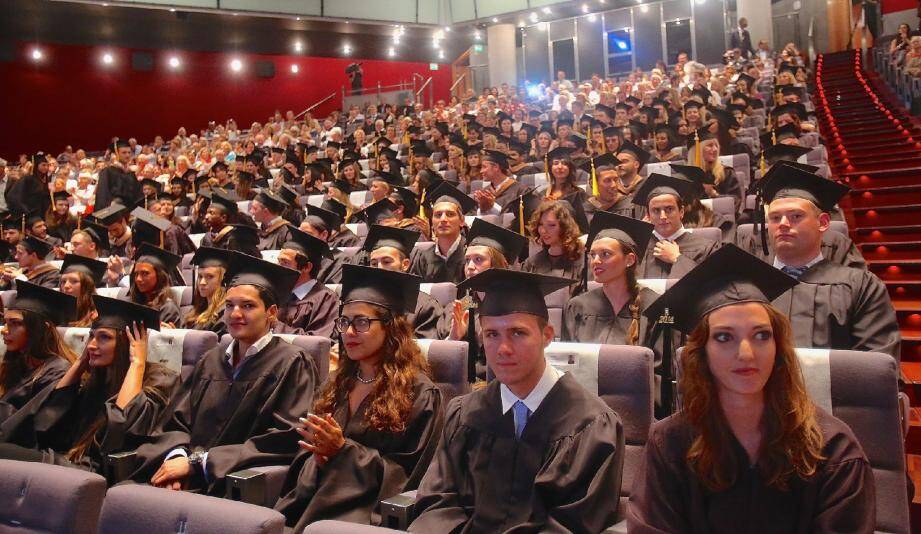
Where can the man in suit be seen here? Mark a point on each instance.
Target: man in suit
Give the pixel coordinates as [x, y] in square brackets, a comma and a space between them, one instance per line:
[741, 39]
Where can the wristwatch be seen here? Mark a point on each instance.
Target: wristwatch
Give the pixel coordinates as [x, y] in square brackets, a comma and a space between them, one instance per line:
[196, 458]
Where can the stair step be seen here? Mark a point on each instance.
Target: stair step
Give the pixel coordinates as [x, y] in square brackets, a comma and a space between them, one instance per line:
[881, 197]
[893, 250]
[895, 270]
[883, 234]
[901, 150]
[882, 179]
[887, 215]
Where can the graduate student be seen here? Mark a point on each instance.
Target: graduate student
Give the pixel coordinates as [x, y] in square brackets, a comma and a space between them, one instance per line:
[267, 209]
[833, 306]
[748, 450]
[80, 277]
[36, 356]
[150, 282]
[30, 254]
[312, 309]
[207, 311]
[108, 401]
[375, 424]
[445, 261]
[675, 250]
[532, 450]
[212, 430]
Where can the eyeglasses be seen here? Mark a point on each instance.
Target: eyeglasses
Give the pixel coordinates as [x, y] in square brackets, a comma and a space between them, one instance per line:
[361, 323]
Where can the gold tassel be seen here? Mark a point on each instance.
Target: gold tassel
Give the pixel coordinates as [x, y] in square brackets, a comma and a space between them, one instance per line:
[464, 129]
[595, 191]
[521, 215]
[547, 167]
[412, 163]
[79, 220]
[773, 136]
[422, 204]
[697, 156]
[161, 239]
[23, 232]
[763, 166]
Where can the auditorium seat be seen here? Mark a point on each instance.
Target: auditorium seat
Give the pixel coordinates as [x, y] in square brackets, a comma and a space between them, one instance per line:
[344, 527]
[137, 508]
[723, 205]
[41, 498]
[745, 231]
[448, 360]
[713, 234]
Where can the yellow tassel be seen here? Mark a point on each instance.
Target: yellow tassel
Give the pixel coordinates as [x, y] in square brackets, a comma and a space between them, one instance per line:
[23, 224]
[521, 215]
[161, 239]
[763, 166]
[464, 129]
[79, 220]
[697, 156]
[412, 163]
[547, 167]
[422, 204]
[773, 136]
[595, 192]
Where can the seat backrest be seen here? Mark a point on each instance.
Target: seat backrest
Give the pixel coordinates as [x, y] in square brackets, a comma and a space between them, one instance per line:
[725, 205]
[744, 231]
[315, 346]
[713, 234]
[448, 361]
[179, 349]
[137, 508]
[7, 297]
[36, 497]
[556, 301]
[113, 292]
[443, 292]
[182, 295]
[329, 526]
[359, 229]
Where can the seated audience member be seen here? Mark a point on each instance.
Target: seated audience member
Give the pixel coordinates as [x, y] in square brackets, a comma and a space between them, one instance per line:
[313, 309]
[674, 250]
[150, 282]
[833, 306]
[562, 254]
[746, 427]
[109, 400]
[80, 276]
[91, 240]
[207, 311]
[532, 450]
[322, 224]
[115, 218]
[267, 209]
[36, 356]
[501, 187]
[445, 261]
[375, 424]
[220, 215]
[611, 194]
[30, 254]
[211, 430]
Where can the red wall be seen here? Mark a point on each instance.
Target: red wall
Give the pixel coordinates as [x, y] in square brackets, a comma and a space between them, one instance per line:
[70, 98]
[891, 6]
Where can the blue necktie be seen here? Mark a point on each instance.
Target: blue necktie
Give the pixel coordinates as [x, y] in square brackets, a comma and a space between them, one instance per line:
[521, 417]
[795, 272]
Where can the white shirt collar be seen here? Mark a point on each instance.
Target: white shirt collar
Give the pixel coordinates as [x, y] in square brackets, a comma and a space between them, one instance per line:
[451, 250]
[780, 265]
[681, 231]
[253, 349]
[303, 289]
[536, 396]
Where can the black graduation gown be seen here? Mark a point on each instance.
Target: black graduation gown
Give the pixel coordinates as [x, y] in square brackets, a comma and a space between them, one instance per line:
[56, 419]
[668, 497]
[840, 307]
[29, 194]
[244, 418]
[19, 394]
[120, 249]
[46, 276]
[372, 465]
[312, 315]
[730, 186]
[330, 271]
[434, 269]
[115, 183]
[276, 235]
[544, 263]
[577, 200]
[344, 238]
[589, 318]
[63, 230]
[836, 248]
[507, 193]
[218, 326]
[428, 320]
[169, 312]
[623, 207]
[694, 249]
[483, 479]
[177, 241]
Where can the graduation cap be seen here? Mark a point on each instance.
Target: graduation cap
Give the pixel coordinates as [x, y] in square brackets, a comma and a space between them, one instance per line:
[212, 257]
[255, 158]
[342, 185]
[202, 182]
[726, 120]
[246, 177]
[632, 232]
[726, 277]
[659, 184]
[564, 122]
[39, 247]
[782, 152]
[633, 100]
[521, 148]
[547, 126]
[33, 217]
[786, 181]
[496, 157]
[560, 152]
[393, 290]
[442, 127]
[148, 227]
[789, 67]
[372, 214]
[492, 130]
[331, 220]
[638, 128]
[157, 257]
[512, 245]
[14, 222]
[743, 77]
[700, 135]
[61, 195]
[289, 195]
[95, 269]
[507, 291]
[57, 307]
[271, 200]
[793, 108]
[530, 128]
[246, 270]
[607, 110]
[244, 236]
[500, 116]
[388, 152]
[393, 177]
[120, 143]
[606, 160]
[408, 197]
[787, 131]
[111, 214]
[692, 173]
[118, 314]
[219, 166]
[388, 236]
[702, 93]
[791, 90]
[98, 233]
[225, 200]
[613, 131]
[631, 148]
[692, 104]
[446, 192]
[5, 248]
[579, 140]
[312, 248]
[732, 108]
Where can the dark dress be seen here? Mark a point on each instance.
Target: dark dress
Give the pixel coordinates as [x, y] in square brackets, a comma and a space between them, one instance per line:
[694, 249]
[177, 241]
[243, 417]
[840, 307]
[312, 315]
[484, 479]
[507, 193]
[668, 497]
[434, 269]
[115, 183]
[274, 236]
[19, 394]
[372, 465]
[56, 419]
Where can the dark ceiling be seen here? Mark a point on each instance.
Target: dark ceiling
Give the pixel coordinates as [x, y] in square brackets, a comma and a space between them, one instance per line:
[133, 27]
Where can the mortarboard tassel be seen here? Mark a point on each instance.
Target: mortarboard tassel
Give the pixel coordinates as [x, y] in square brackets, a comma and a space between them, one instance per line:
[422, 203]
[762, 164]
[585, 272]
[23, 224]
[547, 166]
[473, 346]
[412, 162]
[697, 156]
[161, 238]
[595, 191]
[521, 215]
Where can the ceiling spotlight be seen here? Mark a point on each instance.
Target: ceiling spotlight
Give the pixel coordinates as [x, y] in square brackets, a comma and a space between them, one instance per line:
[534, 17]
[37, 54]
[172, 10]
[593, 17]
[298, 46]
[644, 8]
[391, 52]
[236, 65]
[297, 19]
[546, 10]
[295, 69]
[174, 62]
[346, 49]
[585, 8]
[108, 58]
[396, 39]
[495, 20]
[477, 36]
[447, 28]
[441, 54]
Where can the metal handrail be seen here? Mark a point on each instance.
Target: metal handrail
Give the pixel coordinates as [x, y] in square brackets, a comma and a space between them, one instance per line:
[457, 81]
[424, 85]
[314, 106]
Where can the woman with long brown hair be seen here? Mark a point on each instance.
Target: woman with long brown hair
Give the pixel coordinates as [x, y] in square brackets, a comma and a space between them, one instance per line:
[207, 311]
[350, 172]
[80, 277]
[35, 354]
[376, 422]
[150, 282]
[109, 400]
[747, 447]
[554, 228]
[562, 184]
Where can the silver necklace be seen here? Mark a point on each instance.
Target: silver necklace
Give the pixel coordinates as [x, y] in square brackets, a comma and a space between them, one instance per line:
[362, 380]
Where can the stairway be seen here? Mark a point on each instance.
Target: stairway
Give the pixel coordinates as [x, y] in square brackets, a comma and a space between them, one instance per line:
[875, 147]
